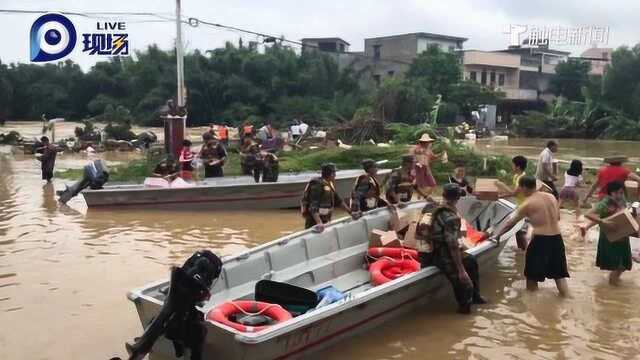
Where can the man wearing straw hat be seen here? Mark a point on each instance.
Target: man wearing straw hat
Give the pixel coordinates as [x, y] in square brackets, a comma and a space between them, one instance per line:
[423, 153]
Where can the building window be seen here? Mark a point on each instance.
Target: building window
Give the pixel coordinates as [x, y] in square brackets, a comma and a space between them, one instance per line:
[492, 78]
[377, 51]
[341, 47]
[500, 79]
[473, 76]
[391, 73]
[433, 46]
[452, 49]
[376, 79]
[483, 78]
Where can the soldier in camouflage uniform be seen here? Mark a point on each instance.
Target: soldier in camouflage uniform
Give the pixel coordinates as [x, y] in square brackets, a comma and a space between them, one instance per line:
[460, 268]
[366, 194]
[320, 198]
[402, 182]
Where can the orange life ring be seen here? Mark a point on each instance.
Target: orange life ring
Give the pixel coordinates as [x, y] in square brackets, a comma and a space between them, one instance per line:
[385, 270]
[474, 236]
[222, 313]
[396, 253]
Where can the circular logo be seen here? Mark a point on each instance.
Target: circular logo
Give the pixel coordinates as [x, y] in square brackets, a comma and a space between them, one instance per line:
[53, 37]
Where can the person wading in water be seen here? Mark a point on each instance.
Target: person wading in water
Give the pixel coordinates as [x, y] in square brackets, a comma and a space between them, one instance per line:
[545, 257]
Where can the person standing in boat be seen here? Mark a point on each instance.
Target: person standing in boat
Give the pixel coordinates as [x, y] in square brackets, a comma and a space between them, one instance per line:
[459, 177]
[545, 255]
[213, 155]
[612, 256]
[186, 158]
[441, 247]
[367, 194]
[424, 156]
[270, 167]
[47, 159]
[402, 182]
[320, 198]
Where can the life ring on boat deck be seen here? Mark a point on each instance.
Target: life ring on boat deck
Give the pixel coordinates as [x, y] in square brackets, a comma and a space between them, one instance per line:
[223, 312]
[385, 270]
[396, 253]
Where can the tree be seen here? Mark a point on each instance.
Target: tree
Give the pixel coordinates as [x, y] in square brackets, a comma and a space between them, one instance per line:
[437, 68]
[469, 95]
[571, 76]
[622, 81]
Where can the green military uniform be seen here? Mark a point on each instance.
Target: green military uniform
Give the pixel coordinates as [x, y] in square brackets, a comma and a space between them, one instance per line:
[445, 232]
[320, 197]
[366, 194]
[401, 184]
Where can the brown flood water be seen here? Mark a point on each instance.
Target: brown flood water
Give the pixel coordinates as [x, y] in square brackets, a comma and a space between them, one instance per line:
[65, 272]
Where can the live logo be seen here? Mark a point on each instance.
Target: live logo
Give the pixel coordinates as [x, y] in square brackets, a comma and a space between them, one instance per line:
[107, 25]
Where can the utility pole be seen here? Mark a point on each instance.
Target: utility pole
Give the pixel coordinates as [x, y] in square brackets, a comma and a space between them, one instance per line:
[179, 56]
[175, 121]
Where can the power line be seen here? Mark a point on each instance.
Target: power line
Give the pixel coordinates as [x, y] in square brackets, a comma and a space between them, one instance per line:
[90, 14]
[195, 22]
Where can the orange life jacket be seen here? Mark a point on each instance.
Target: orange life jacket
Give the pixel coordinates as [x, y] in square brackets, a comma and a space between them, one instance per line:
[223, 133]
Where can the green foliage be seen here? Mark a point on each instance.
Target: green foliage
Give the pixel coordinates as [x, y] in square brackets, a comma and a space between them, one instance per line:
[469, 95]
[406, 134]
[622, 81]
[118, 121]
[439, 69]
[404, 99]
[571, 77]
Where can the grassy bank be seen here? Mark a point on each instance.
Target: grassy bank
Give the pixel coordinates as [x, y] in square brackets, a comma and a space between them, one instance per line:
[311, 160]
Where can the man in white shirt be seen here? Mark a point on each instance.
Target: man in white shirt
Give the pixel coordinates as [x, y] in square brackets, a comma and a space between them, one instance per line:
[544, 171]
[303, 127]
[295, 131]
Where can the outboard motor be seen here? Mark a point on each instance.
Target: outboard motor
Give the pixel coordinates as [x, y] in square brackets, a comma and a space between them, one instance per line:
[96, 174]
[179, 320]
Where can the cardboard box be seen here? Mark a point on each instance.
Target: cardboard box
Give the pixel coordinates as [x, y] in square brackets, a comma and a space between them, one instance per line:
[400, 223]
[633, 192]
[381, 238]
[487, 189]
[410, 236]
[620, 225]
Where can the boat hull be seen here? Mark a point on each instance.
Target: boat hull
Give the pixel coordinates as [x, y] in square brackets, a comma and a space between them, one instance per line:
[225, 193]
[311, 332]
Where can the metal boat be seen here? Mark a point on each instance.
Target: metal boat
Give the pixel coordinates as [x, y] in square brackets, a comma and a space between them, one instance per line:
[335, 257]
[222, 193]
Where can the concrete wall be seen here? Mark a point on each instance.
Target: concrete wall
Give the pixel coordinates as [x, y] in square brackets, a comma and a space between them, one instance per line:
[475, 57]
[397, 48]
[424, 43]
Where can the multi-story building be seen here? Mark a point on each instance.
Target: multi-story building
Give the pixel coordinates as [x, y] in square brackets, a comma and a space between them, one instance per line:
[523, 74]
[334, 44]
[390, 56]
[599, 59]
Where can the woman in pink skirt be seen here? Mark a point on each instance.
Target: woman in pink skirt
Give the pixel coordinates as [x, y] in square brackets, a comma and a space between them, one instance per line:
[424, 155]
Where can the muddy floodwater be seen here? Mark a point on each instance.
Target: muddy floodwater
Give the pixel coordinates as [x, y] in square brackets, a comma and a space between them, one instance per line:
[65, 272]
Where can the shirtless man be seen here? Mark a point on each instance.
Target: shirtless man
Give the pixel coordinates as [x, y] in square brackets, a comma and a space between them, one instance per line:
[545, 256]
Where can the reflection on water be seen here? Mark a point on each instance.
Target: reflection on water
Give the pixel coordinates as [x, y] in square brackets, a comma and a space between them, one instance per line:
[65, 271]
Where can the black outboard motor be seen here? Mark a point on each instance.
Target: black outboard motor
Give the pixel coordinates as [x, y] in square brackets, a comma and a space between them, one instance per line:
[179, 320]
[96, 174]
